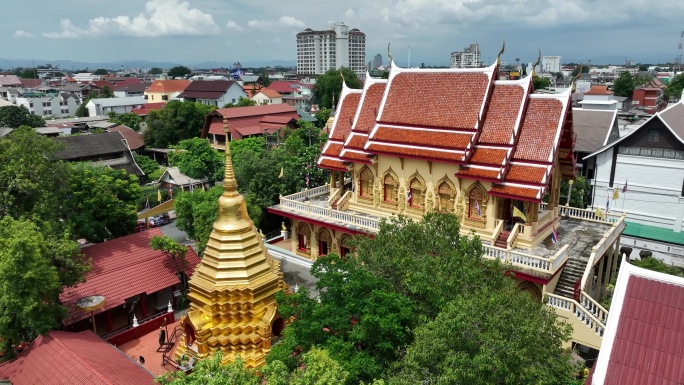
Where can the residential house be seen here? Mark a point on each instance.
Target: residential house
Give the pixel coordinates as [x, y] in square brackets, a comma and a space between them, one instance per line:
[600, 98]
[104, 106]
[133, 139]
[109, 149]
[10, 81]
[145, 109]
[247, 121]
[490, 155]
[649, 99]
[49, 104]
[73, 358]
[213, 92]
[30, 83]
[641, 174]
[134, 280]
[250, 80]
[165, 90]
[594, 129]
[267, 96]
[85, 77]
[128, 89]
[9, 94]
[642, 340]
[173, 178]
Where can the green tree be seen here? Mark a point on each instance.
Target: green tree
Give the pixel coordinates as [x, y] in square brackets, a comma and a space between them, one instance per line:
[674, 88]
[322, 117]
[15, 116]
[196, 212]
[643, 67]
[28, 73]
[658, 265]
[179, 72]
[104, 93]
[175, 122]
[329, 85]
[155, 71]
[585, 70]
[624, 85]
[197, 159]
[242, 102]
[101, 203]
[642, 79]
[129, 120]
[579, 194]
[541, 83]
[147, 165]
[29, 299]
[101, 71]
[265, 79]
[82, 110]
[174, 250]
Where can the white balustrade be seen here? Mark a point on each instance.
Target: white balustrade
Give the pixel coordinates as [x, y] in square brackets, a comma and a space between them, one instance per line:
[585, 316]
[518, 259]
[560, 257]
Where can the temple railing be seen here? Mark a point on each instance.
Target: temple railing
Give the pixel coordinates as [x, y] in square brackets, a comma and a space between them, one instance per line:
[587, 215]
[510, 242]
[587, 328]
[497, 229]
[349, 218]
[343, 203]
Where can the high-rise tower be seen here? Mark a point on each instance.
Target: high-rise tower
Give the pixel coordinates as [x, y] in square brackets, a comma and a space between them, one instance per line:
[232, 292]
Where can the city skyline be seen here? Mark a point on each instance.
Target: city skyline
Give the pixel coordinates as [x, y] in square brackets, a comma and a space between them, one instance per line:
[196, 31]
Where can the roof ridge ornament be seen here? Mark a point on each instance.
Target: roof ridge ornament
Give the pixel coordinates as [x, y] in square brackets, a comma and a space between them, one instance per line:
[534, 71]
[498, 57]
[573, 86]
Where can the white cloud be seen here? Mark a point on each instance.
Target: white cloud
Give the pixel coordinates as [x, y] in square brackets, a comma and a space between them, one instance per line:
[21, 33]
[272, 25]
[160, 18]
[234, 26]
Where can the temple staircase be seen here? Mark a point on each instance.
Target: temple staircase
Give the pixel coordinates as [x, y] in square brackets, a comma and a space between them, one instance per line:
[572, 272]
[502, 240]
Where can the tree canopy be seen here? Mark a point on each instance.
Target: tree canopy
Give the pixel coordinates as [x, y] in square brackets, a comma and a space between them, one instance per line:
[175, 122]
[585, 70]
[15, 116]
[28, 73]
[675, 87]
[179, 72]
[242, 102]
[197, 159]
[155, 71]
[322, 117]
[129, 120]
[624, 85]
[541, 83]
[330, 83]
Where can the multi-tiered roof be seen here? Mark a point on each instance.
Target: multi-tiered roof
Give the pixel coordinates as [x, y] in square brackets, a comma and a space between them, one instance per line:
[492, 130]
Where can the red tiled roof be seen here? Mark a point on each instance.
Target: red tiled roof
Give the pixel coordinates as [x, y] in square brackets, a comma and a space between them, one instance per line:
[456, 140]
[270, 93]
[245, 121]
[369, 110]
[169, 86]
[414, 152]
[332, 164]
[73, 358]
[489, 156]
[240, 112]
[345, 116]
[538, 132]
[356, 141]
[503, 111]
[133, 138]
[31, 83]
[122, 268]
[284, 87]
[599, 90]
[332, 149]
[526, 174]
[146, 108]
[478, 173]
[427, 99]
[524, 193]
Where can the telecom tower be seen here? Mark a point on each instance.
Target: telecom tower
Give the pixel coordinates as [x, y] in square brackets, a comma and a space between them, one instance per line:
[678, 58]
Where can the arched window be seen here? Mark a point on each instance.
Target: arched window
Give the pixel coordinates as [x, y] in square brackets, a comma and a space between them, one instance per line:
[366, 183]
[445, 191]
[390, 186]
[324, 242]
[416, 192]
[476, 199]
[345, 245]
[303, 237]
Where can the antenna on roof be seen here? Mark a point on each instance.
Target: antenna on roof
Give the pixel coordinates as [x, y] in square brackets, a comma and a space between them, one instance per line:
[503, 48]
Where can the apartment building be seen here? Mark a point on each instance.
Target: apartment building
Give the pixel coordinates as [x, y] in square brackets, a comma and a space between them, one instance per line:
[339, 46]
[468, 58]
[49, 104]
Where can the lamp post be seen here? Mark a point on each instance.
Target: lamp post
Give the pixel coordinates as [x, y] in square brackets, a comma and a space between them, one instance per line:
[570, 182]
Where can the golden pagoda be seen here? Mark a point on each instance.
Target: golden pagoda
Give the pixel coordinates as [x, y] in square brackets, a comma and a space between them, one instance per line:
[232, 291]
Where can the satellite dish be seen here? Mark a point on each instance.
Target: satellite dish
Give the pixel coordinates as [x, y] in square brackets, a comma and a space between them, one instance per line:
[91, 303]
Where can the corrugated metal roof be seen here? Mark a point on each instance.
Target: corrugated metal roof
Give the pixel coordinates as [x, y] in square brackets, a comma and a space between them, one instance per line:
[654, 233]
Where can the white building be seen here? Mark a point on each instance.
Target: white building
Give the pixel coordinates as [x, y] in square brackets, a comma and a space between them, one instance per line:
[551, 64]
[468, 58]
[85, 77]
[339, 46]
[57, 105]
[119, 105]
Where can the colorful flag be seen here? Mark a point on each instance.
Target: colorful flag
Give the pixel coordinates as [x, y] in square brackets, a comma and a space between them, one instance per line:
[409, 196]
[554, 235]
[281, 172]
[624, 189]
[147, 203]
[616, 194]
[158, 195]
[607, 204]
[519, 214]
[477, 207]
[600, 213]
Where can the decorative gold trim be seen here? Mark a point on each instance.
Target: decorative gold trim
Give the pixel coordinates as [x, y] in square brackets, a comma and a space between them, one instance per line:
[573, 88]
[498, 57]
[401, 160]
[389, 53]
[534, 72]
[430, 166]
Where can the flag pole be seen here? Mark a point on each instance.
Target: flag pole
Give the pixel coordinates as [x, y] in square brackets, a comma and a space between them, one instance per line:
[624, 196]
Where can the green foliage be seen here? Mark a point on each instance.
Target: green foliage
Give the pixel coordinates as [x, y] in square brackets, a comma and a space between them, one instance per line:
[101, 203]
[642, 79]
[175, 122]
[585, 70]
[624, 85]
[265, 79]
[658, 265]
[28, 73]
[16, 116]
[330, 83]
[674, 88]
[179, 72]
[29, 299]
[242, 102]
[147, 165]
[196, 212]
[322, 117]
[174, 250]
[541, 83]
[579, 194]
[155, 71]
[82, 110]
[197, 159]
[129, 120]
[101, 71]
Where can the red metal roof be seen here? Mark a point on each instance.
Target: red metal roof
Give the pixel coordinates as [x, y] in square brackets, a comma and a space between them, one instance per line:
[73, 358]
[285, 87]
[134, 139]
[122, 268]
[245, 121]
[146, 108]
[168, 86]
[599, 90]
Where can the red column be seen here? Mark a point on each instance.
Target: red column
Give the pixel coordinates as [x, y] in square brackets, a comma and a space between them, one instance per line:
[143, 305]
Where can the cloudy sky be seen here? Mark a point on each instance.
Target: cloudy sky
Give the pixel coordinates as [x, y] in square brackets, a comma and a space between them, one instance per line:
[194, 31]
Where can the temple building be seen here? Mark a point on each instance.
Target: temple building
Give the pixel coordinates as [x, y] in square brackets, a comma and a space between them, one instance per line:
[232, 292]
[491, 151]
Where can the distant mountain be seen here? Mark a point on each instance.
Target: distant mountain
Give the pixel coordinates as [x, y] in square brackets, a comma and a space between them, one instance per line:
[69, 65]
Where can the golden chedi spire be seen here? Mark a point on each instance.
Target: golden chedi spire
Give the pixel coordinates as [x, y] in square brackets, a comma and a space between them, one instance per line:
[232, 291]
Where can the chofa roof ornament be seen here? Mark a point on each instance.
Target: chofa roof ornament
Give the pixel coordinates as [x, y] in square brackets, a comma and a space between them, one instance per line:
[573, 87]
[534, 67]
[498, 57]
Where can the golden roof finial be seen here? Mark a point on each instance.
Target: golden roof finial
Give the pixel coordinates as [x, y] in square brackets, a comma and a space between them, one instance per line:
[503, 48]
[389, 53]
[534, 71]
[229, 181]
[342, 75]
[573, 88]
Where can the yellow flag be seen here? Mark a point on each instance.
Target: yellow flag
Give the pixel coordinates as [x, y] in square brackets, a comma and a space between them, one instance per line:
[281, 172]
[600, 213]
[616, 194]
[158, 195]
[519, 214]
